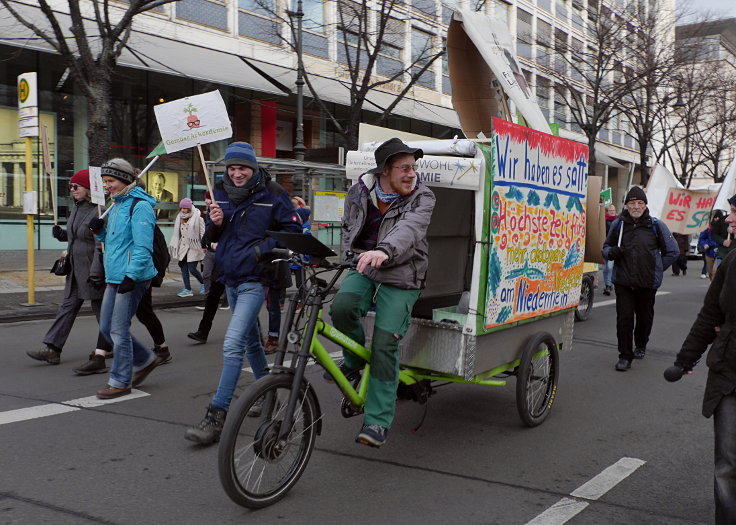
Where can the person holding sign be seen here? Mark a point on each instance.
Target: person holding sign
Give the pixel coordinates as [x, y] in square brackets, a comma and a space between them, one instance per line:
[387, 213]
[641, 248]
[246, 204]
[129, 268]
[85, 280]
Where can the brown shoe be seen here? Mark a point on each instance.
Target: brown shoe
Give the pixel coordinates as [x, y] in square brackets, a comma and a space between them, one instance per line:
[272, 345]
[110, 392]
[141, 375]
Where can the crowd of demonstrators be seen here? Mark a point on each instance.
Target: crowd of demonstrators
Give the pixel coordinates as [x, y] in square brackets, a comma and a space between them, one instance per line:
[186, 245]
[641, 248]
[714, 327]
[608, 266]
[683, 247]
[247, 203]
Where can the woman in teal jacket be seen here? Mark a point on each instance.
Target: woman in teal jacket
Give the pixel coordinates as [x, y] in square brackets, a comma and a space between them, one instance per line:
[128, 238]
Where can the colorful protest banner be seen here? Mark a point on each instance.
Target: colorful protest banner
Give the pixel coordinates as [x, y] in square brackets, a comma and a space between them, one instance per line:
[688, 211]
[537, 224]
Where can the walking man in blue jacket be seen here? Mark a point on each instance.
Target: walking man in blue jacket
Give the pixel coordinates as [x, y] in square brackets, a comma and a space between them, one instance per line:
[245, 205]
[641, 248]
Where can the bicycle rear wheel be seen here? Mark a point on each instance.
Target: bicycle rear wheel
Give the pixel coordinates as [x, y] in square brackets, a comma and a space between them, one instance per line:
[257, 468]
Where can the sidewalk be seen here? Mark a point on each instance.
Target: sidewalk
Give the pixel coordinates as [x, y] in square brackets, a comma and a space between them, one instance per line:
[49, 289]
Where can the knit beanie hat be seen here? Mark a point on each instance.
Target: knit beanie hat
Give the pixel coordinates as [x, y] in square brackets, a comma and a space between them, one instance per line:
[732, 200]
[636, 194]
[241, 154]
[186, 202]
[120, 169]
[80, 178]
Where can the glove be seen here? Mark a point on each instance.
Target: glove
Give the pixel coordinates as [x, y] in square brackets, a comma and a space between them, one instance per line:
[126, 286]
[96, 282]
[615, 253]
[96, 225]
[56, 232]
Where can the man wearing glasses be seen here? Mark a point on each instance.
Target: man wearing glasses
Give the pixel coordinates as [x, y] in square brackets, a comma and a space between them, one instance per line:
[641, 248]
[385, 222]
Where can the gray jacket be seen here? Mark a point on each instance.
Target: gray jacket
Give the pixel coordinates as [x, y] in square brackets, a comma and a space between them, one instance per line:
[84, 252]
[402, 234]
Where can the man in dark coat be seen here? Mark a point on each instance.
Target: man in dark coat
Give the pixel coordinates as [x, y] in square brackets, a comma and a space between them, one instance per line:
[641, 247]
[716, 324]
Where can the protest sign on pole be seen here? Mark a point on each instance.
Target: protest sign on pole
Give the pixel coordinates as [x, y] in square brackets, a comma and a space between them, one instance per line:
[728, 189]
[95, 185]
[688, 211]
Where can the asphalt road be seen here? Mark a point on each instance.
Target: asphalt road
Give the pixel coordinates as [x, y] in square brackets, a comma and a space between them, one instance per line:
[471, 462]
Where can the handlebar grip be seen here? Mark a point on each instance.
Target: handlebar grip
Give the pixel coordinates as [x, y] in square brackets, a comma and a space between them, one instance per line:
[674, 373]
[283, 252]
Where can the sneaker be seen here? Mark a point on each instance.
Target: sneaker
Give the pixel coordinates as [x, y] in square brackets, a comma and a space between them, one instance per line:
[372, 435]
[639, 353]
[607, 290]
[198, 336]
[141, 375]
[110, 392]
[162, 354]
[347, 372]
[95, 365]
[185, 293]
[224, 307]
[200, 307]
[623, 365]
[202, 290]
[209, 429]
[703, 276]
[256, 408]
[272, 345]
[51, 356]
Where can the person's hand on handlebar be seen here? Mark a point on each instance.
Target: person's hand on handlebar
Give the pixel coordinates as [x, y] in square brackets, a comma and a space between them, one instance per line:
[374, 258]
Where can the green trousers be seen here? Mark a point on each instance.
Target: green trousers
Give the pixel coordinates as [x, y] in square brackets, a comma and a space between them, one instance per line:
[393, 316]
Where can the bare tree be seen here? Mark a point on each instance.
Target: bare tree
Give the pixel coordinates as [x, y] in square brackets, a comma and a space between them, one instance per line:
[90, 57]
[370, 39]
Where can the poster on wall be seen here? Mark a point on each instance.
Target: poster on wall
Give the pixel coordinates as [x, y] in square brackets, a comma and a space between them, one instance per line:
[329, 206]
[688, 211]
[164, 186]
[537, 224]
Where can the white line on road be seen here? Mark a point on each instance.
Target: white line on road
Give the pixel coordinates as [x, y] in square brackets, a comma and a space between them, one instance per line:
[333, 355]
[613, 301]
[565, 509]
[52, 409]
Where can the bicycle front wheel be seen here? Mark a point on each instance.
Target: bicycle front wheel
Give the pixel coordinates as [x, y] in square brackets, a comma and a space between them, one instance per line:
[256, 467]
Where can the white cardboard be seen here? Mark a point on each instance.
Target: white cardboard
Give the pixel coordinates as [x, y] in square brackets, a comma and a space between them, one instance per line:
[96, 188]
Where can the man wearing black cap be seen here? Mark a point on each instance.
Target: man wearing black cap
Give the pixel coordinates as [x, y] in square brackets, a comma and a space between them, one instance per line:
[385, 222]
[642, 248]
[716, 324]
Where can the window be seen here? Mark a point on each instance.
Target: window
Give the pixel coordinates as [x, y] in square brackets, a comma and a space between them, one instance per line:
[421, 46]
[314, 14]
[263, 7]
[544, 41]
[561, 9]
[210, 13]
[393, 37]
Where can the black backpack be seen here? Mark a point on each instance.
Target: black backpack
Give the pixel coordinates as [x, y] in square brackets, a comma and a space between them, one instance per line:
[161, 256]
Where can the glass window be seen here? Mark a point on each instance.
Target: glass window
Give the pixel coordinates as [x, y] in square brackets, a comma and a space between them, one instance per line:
[210, 13]
[264, 7]
[421, 46]
[314, 14]
[393, 37]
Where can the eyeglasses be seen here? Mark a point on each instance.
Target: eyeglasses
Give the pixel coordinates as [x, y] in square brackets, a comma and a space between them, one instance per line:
[193, 124]
[74, 187]
[406, 168]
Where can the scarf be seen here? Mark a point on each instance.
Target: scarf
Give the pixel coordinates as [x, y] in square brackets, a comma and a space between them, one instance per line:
[193, 239]
[239, 194]
[385, 196]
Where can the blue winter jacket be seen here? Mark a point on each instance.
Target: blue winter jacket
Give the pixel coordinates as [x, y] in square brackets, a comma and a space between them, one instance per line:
[705, 238]
[242, 243]
[129, 239]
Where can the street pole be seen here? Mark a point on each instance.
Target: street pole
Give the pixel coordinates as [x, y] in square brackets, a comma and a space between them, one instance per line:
[299, 146]
[29, 224]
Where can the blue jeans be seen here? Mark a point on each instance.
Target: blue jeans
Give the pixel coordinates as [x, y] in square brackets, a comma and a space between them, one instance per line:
[188, 267]
[724, 482]
[242, 336]
[115, 316]
[607, 272]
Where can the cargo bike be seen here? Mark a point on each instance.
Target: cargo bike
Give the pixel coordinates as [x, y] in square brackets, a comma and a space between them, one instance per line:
[506, 261]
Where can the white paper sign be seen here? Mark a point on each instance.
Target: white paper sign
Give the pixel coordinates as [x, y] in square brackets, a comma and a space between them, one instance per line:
[96, 188]
[27, 105]
[190, 121]
[329, 206]
[30, 202]
[463, 173]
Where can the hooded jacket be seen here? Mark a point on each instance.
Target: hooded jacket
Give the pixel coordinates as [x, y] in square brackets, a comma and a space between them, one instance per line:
[242, 243]
[646, 254]
[129, 238]
[402, 234]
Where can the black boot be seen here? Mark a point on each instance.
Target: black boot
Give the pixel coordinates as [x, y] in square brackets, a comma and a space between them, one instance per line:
[209, 429]
[198, 336]
[162, 353]
[48, 354]
[95, 365]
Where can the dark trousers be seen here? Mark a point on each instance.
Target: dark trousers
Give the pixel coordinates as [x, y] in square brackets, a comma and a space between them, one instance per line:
[724, 475]
[273, 306]
[66, 315]
[680, 264]
[634, 313]
[212, 302]
[148, 318]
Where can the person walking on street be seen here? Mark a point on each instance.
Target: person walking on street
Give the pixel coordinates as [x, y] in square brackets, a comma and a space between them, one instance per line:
[85, 280]
[247, 203]
[714, 327]
[129, 268]
[186, 245]
[387, 213]
[608, 266]
[641, 248]
[707, 247]
[720, 235]
[683, 246]
[216, 289]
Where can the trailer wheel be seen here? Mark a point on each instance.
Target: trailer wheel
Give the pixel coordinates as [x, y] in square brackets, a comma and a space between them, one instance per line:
[587, 292]
[536, 379]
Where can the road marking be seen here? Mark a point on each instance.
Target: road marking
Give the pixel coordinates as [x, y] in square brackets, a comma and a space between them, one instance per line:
[565, 509]
[613, 301]
[310, 363]
[52, 409]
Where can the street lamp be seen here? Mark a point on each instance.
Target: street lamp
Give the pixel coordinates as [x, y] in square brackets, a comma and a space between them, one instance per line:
[299, 146]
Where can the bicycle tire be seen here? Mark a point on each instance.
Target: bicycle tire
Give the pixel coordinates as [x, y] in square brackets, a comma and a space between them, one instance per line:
[587, 294]
[256, 470]
[536, 379]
